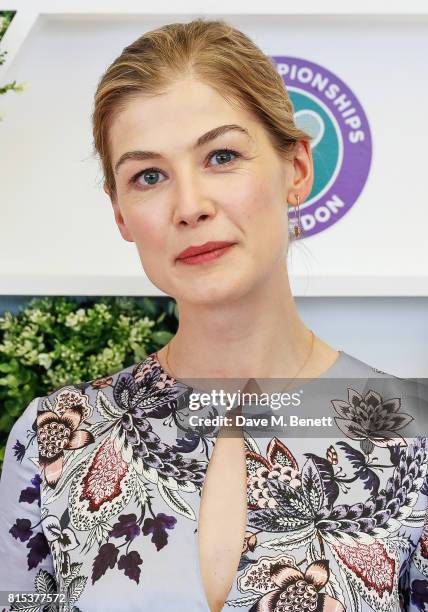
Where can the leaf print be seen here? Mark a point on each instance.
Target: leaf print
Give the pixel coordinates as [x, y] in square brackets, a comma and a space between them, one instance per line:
[66, 478]
[148, 472]
[275, 520]
[384, 514]
[65, 519]
[45, 582]
[30, 494]
[187, 486]
[75, 569]
[126, 526]
[261, 471]
[242, 601]
[292, 540]
[19, 450]
[106, 558]
[141, 494]
[98, 533]
[138, 444]
[312, 484]
[143, 397]
[102, 488]
[129, 563]
[39, 550]
[106, 408]
[419, 593]
[157, 527]
[168, 482]
[362, 471]
[250, 443]
[176, 502]
[394, 453]
[334, 589]
[415, 519]
[75, 589]
[277, 452]
[370, 570]
[27, 606]
[21, 529]
[124, 388]
[326, 471]
[354, 598]
[293, 502]
[188, 443]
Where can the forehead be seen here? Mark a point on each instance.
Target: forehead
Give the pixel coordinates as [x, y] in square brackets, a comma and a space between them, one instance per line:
[175, 118]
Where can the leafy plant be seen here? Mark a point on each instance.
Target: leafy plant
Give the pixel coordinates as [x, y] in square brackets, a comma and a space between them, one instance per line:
[5, 19]
[54, 341]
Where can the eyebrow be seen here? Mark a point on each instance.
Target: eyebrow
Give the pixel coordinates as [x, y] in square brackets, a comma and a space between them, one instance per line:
[207, 137]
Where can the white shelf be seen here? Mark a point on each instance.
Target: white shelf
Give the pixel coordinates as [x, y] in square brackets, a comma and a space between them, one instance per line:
[313, 286]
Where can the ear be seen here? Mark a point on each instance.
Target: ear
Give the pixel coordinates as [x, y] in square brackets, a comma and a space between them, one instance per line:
[302, 172]
[118, 217]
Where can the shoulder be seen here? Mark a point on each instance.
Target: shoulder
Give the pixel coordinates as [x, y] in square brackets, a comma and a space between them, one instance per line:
[358, 367]
[120, 388]
[404, 400]
[20, 450]
[94, 415]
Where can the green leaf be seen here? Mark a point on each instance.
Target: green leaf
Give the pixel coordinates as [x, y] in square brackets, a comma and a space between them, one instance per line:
[57, 340]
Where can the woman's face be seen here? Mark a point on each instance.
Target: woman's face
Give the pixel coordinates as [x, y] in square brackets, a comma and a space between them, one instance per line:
[189, 194]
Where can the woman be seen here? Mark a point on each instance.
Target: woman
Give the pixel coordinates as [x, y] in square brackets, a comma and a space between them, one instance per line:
[202, 160]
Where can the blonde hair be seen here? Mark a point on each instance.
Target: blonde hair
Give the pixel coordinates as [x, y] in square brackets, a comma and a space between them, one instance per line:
[215, 53]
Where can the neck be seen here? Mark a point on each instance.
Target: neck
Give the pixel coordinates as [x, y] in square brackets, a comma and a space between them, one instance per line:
[256, 335]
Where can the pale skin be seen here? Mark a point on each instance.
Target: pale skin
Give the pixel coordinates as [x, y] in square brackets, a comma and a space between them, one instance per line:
[238, 317]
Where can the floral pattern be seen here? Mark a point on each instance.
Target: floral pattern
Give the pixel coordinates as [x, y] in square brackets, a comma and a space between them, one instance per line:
[104, 481]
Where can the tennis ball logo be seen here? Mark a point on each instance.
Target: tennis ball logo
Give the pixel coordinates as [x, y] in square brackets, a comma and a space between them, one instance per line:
[326, 108]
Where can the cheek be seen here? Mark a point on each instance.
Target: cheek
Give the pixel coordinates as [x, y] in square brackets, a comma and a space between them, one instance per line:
[148, 233]
[262, 209]
[266, 224]
[147, 229]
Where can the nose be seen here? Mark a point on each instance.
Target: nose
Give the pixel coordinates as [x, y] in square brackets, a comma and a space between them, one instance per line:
[191, 206]
[192, 218]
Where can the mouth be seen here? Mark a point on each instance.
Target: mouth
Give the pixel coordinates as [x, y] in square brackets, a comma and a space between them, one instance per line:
[206, 254]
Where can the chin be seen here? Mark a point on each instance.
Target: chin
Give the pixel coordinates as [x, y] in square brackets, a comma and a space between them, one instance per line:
[228, 289]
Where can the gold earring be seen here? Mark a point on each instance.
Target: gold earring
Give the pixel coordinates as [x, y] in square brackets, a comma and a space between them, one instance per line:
[298, 227]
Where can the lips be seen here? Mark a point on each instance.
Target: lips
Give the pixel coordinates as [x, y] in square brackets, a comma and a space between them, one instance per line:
[203, 248]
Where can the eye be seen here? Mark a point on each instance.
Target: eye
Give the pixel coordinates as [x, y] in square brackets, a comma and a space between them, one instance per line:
[223, 152]
[150, 173]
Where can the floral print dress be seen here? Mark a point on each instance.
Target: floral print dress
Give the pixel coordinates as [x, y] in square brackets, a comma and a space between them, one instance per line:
[100, 494]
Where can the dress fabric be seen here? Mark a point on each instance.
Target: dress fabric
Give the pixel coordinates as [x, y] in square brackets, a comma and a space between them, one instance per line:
[100, 494]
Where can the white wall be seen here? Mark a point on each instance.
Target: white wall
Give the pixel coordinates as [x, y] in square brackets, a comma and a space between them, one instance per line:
[388, 333]
[57, 221]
